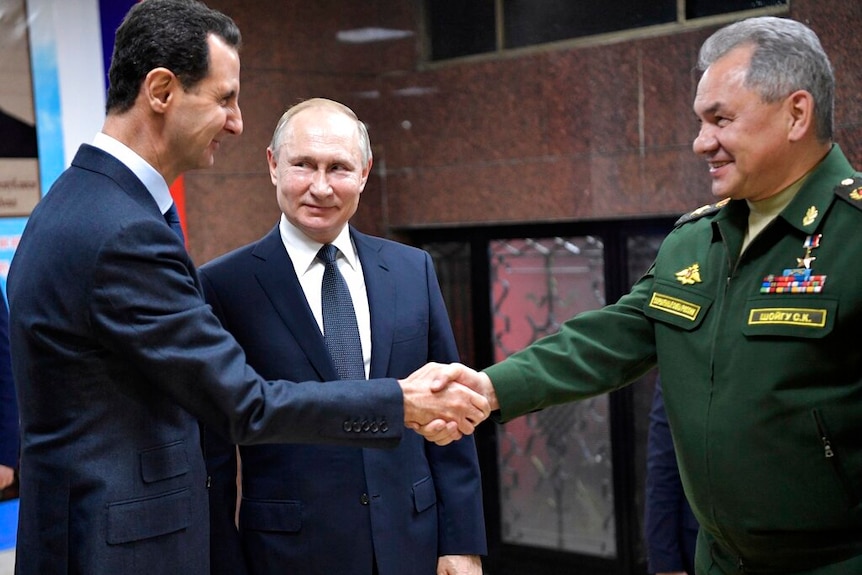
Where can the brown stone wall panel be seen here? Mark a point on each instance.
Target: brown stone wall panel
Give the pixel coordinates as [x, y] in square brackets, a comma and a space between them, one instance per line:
[540, 190]
[370, 217]
[837, 24]
[486, 111]
[675, 181]
[225, 212]
[302, 36]
[850, 140]
[568, 92]
[612, 109]
[669, 87]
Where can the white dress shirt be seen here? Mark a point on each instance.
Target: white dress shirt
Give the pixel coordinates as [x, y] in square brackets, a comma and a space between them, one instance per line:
[309, 270]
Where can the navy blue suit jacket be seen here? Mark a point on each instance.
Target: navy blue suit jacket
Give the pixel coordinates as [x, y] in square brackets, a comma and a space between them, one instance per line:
[327, 510]
[116, 356]
[669, 523]
[9, 443]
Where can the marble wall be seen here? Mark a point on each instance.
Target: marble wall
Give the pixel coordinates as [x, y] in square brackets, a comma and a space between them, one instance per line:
[552, 134]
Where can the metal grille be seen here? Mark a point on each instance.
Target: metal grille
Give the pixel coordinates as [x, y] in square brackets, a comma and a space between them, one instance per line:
[555, 465]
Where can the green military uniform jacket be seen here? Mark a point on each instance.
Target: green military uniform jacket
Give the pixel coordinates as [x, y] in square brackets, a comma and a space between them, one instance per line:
[762, 382]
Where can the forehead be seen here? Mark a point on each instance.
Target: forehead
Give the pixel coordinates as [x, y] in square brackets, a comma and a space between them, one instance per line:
[223, 64]
[323, 127]
[724, 79]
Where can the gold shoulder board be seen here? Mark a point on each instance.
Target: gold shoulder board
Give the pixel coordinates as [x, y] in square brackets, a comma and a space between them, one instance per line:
[701, 211]
[850, 189]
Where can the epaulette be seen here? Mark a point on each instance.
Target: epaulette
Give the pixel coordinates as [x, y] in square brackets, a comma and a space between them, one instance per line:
[700, 212]
[850, 189]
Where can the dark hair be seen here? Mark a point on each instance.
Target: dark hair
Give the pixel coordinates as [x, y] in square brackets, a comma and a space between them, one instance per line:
[164, 33]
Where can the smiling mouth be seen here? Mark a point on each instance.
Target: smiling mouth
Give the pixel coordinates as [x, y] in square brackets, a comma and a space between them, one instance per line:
[714, 166]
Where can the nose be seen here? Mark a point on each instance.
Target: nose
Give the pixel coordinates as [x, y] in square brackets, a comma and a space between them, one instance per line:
[233, 123]
[705, 142]
[320, 182]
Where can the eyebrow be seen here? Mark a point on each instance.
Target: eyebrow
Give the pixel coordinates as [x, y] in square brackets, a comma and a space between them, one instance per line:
[710, 110]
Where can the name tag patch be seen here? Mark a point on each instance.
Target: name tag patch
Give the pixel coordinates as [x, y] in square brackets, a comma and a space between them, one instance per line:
[802, 317]
[674, 306]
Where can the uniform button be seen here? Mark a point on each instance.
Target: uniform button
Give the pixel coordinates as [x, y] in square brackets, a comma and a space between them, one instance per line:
[364, 499]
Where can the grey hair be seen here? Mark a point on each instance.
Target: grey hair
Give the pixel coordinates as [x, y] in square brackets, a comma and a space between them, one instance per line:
[364, 140]
[787, 57]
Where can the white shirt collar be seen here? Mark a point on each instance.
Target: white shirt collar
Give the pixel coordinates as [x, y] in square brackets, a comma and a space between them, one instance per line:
[303, 250]
[150, 177]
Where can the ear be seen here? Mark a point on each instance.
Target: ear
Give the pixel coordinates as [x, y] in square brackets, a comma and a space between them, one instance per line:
[272, 162]
[158, 87]
[800, 107]
[365, 173]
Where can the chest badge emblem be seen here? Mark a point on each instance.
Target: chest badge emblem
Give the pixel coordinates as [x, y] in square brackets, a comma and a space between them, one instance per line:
[800, 279]
[689, 276]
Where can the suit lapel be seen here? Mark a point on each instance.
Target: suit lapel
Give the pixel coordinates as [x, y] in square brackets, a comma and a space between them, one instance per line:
[381, 300]
[275, 275]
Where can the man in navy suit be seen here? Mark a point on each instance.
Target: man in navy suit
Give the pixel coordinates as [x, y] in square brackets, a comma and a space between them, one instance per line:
[670, 528]
[115, 353]
[321, 510]
[9, 442]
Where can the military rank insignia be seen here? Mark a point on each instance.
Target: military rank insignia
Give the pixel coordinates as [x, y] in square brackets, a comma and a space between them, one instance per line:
[850, 189]
[800, 279]
[856, 193]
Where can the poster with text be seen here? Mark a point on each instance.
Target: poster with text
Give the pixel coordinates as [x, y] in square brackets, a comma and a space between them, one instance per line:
[19, 163]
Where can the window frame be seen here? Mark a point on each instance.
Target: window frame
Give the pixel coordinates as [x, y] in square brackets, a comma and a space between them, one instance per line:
[510, 559]
[681, 24]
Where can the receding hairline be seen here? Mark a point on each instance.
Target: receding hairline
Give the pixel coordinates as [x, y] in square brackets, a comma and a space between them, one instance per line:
[322, 104]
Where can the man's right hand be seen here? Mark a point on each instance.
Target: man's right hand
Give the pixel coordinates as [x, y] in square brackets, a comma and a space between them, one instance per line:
[441, 412]
[478, 381]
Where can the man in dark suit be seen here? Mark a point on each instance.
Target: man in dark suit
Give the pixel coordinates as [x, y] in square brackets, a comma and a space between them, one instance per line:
[115, 353]
[670, 527]
[9, 441]
[325, 509]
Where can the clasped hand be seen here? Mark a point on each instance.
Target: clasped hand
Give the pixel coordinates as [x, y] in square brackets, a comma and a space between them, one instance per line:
[444, 402]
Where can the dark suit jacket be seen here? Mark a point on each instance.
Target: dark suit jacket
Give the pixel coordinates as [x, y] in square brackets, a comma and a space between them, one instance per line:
[327, 510]
[116, 356]
[8, 404]
[669, 523]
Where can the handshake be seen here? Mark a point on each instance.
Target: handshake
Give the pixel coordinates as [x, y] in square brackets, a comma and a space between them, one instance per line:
[444, 402]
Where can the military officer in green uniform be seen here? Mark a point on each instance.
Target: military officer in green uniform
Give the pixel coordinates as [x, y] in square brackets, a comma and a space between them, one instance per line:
[752, 312]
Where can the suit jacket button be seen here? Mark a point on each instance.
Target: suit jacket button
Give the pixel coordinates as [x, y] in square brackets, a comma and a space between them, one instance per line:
[366, 425]
[357, 426]
[384, 427]
[375, 427]
[347, 426]
[364, 499]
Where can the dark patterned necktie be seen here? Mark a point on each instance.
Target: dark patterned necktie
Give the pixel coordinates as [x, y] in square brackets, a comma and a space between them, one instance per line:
[173, 219]
[340, 330]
